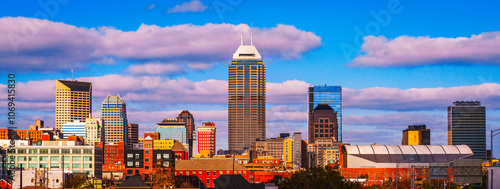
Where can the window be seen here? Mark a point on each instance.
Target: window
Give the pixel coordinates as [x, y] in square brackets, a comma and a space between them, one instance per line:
[44, 158]
[65, 151]
[87, 158]
[326, 120]
[208, 181]
[146, 159]
[77, 151]
[21, 151]
[130, 156]
[137, 156]
[136, 164]
[146, 167]
[199, 174]
[130, 164]
[21, 158]
[54, 158]
[44, 151]
[66, 165]
[67, 158]
[130, 171]
[33, 151]
[137, 171]
[54, 165]
[77, 165]
[208, 173]
[320, 120]
[87, 151]
[146, 152]
[77, 158]
[54, 151]
[44, 165]
[87, 165]
[215, 173]
[166, 156]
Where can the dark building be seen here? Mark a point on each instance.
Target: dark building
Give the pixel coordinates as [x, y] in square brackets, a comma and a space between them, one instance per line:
[186, 117]
[284, 135]
[323, 123]
[163, 158]
[133, 135]
[416, 135]
[134, 161]
[467, 125]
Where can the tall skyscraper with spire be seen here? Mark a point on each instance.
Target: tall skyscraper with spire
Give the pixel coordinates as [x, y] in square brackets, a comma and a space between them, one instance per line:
[73, 101]
[114, 114]
[246, 97]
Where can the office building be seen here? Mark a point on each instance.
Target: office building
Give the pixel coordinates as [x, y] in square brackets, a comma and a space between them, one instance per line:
[75, 128]
[269, 147]
[294, 152]
[114, 160]
[186, 117]
[322, 123]
[38, 125]
[133, 134]
[73, 101]
[206, 137]
[467, 125]
[331, 95]
[94, 131]
[172, 129]
[246, 98]
[114, 114]
[416, 135]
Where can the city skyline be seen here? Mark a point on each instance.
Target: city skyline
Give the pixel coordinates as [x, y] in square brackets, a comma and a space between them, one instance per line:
[383, 93]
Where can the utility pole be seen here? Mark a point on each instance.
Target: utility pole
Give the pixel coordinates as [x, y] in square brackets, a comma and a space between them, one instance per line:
[63, 171]
[36, 171]
[491, 144]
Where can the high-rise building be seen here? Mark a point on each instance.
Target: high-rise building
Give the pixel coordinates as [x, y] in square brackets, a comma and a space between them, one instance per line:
[133, 134]
[467, 125]
[246, 98]
[94, 131]
[322, 123]
[114, 114]
[73, 101]
[76, 128]
[331, 95]
[186, 117]
[416, 135]
[172, 129]
[206, 137]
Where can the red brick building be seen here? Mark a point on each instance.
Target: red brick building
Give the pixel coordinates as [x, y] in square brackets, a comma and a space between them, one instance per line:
[114, 157]
[206, 137]
[180, 152]
[207, 171]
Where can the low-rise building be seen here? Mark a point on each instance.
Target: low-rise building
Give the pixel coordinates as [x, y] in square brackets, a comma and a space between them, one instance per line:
[206, 171]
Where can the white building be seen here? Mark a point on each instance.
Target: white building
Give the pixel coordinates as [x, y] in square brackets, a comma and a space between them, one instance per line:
[74, 128]
[94, 131]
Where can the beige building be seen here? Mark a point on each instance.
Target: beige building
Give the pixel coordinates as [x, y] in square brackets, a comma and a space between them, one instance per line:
[326, 150]
[73, 101]
[246, 98]
[269, 147]
[94, 131]
[70, 156]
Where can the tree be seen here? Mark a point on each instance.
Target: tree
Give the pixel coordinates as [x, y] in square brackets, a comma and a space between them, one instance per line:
[75, 182]
[163, 176]
[317, 177]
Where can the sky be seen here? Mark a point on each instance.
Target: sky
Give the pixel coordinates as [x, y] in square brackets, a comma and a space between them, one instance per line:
[399, 62]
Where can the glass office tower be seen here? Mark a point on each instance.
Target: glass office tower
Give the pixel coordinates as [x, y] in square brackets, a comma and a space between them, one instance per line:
[467, 125]
[114, 114]
[331, 95]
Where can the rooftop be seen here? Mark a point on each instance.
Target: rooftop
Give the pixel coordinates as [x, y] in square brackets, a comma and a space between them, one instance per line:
[248, 52]
[323, 107]
[208, 165]
[77, 85]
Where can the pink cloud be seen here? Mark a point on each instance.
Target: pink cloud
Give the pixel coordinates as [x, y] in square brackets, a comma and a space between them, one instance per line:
[397, 121]
[156, 68]
[47, 46]
[414, 51]
[192, 6]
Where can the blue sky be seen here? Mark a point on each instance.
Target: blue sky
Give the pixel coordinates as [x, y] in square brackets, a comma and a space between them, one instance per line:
[314, 56]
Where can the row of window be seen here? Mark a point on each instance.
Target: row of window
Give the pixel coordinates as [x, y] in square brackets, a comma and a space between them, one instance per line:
[54, 158]
[54, 151]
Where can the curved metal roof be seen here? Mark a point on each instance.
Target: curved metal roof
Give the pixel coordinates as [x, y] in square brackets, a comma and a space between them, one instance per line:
[399, 153]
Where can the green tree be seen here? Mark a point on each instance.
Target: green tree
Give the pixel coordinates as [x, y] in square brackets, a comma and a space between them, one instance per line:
[317, 177]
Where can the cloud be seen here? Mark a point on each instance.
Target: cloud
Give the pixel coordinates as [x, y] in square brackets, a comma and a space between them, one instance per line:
[288, 92]
[399, 121]
[46, 46]
[193, 6]
[406, 51]
[201, 66]
[156, 68]
[151, 6]
[420, 98]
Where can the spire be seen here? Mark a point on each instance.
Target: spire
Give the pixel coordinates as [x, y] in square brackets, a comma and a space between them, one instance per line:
[242, 38]
[251, 35]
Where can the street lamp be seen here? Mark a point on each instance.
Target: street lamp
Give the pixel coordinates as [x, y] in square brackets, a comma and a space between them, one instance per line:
[496, 132]
[397, 166]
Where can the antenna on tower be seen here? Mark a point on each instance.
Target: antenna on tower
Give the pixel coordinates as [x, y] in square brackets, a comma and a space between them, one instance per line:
[242, 37]
[72, 78]
[251, 34]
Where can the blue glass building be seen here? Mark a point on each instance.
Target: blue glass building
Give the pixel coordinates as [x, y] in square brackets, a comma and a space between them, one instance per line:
[172, 130]
[114, 114]
[76, 128]
[331, 95]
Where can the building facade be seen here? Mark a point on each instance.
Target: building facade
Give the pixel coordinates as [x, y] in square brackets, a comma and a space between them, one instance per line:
[206, 171]
[114, 114]
[322, 123]
[172, 129]
[246, 98]
[76, 128]
[94, 131]
[186, 117]
[133, 134]
[114, 157]
[73, 101]
[416, 135]
[467, 125]
[206, 137]
[331, 95]
[269, 147]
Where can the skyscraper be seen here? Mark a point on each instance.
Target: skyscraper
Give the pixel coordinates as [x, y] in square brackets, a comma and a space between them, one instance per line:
[416, 135]
[246, 98]
[331, 95]
[322, 123]
[467, 125]
[94, 131]
[133, 134]
[73, 101]
[186, 117]
[114, 114]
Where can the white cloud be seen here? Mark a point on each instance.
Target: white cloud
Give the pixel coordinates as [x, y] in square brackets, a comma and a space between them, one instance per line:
[156, 68]
[192, 6]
